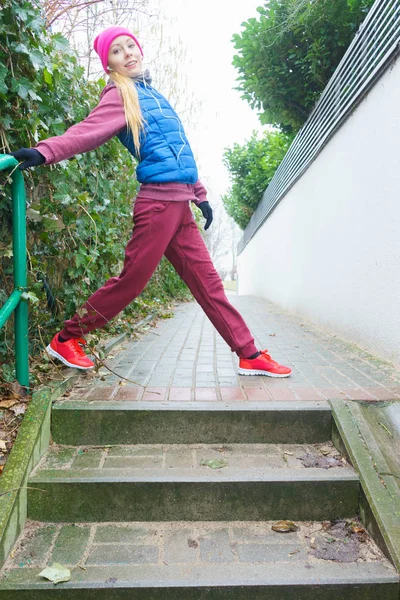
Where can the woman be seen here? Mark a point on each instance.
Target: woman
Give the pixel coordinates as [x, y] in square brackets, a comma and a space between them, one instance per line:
[149, 128]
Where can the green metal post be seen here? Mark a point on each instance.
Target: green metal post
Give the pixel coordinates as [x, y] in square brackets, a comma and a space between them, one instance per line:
[20, 278]
[20, 272]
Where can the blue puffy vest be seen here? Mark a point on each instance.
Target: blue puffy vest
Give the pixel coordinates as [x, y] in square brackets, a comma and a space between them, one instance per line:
[165, 153]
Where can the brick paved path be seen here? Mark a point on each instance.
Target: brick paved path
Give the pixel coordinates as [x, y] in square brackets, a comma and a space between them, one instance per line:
[183, 359]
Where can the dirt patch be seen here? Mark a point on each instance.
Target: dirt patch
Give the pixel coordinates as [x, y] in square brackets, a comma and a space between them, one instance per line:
[320, 462]
[325, 456]
[341, 541]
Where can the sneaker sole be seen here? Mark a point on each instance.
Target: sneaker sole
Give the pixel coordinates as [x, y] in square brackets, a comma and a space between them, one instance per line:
[55, 354]
[266, 373]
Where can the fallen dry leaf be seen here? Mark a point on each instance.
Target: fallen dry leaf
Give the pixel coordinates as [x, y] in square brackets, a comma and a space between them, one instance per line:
[325, 450]
[56, 573]
[284, 526]
[8, 403]
[18, 409]
[214, 463]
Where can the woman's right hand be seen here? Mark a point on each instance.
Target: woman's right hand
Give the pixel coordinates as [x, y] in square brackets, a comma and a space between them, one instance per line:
[29, 156]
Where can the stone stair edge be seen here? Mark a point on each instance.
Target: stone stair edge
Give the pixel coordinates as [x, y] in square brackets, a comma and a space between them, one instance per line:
[284, 575]
[283, 406]
[182, 475]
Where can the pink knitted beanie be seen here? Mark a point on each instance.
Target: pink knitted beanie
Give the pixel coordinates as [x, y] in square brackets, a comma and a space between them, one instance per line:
[104, 40]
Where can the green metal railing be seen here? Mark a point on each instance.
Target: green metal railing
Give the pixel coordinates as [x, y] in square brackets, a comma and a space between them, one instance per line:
[16, 302]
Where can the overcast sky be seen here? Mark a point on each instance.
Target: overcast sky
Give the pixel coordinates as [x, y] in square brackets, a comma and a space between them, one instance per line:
[206, 29]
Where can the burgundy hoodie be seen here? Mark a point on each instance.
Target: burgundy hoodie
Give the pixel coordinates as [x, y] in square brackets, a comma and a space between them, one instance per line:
[104, 122]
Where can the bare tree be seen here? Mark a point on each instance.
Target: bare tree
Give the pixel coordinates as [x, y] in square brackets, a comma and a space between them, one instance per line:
[81, 20]
[222, 237]
[57, 9]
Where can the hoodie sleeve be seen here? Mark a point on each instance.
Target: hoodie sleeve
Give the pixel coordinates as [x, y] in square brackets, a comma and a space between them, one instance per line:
[102, 123]
[200, 192]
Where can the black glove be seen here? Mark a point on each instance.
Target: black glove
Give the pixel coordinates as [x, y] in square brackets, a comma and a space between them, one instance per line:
[207, 213]
[30, 156]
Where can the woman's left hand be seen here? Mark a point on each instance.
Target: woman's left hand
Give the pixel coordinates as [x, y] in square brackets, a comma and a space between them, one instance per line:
[207, 213]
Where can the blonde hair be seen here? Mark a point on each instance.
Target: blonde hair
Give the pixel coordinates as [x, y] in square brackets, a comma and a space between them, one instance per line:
[133, 114]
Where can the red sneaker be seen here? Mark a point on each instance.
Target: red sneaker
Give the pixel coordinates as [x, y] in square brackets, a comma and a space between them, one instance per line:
[70, 353]
[263, 365]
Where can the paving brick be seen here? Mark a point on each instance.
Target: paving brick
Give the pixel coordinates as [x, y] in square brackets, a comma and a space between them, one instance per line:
[128, 392]
[225, 372]
[282, 394]
[307, 394]
[70, 544]
[102, 393]
[155, 394]
[228, 381]
[204, 368]
[182, 381]
[181, 457]
[330, 393]
[253, 449]
[232, 394]
[205, 380]
[358, 394]
[262, 552]
[87, 459]
[181, 546]
[205, 393]
[254, 461]
[111, 554]
[180, 394]
[60, 457]
[78, 393]
[144, 450]
[215, 547]
[133, 462]
[124, 534]
[35, 548]
[184, 373]
[258, 393]
[257, 533]
[252, 382]
[384, 394]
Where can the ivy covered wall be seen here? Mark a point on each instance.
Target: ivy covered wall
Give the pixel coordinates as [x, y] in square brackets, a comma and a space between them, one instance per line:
[79, 211]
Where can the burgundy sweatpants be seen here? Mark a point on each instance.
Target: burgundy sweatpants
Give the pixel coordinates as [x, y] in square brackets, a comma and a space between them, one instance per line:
[165, 228]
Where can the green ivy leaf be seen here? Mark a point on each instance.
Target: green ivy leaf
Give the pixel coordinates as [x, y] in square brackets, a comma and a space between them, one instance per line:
[47, 76]
[36, 58]
[22, 91]
[21, 13]
[34, 95]
[20, 48]
[60, 42]
[30, 296]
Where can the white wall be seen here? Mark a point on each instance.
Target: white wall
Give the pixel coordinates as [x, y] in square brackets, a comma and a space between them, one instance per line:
[330, 251]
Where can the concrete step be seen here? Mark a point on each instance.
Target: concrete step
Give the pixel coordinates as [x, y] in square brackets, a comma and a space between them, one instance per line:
[198, 561]
[192, 482]
[124, 422]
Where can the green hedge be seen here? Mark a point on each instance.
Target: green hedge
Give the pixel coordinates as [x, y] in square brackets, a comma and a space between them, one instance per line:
[80, 211]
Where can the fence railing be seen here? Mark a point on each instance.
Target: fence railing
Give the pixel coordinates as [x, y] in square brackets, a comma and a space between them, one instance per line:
[374, 45]
[16, 302]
